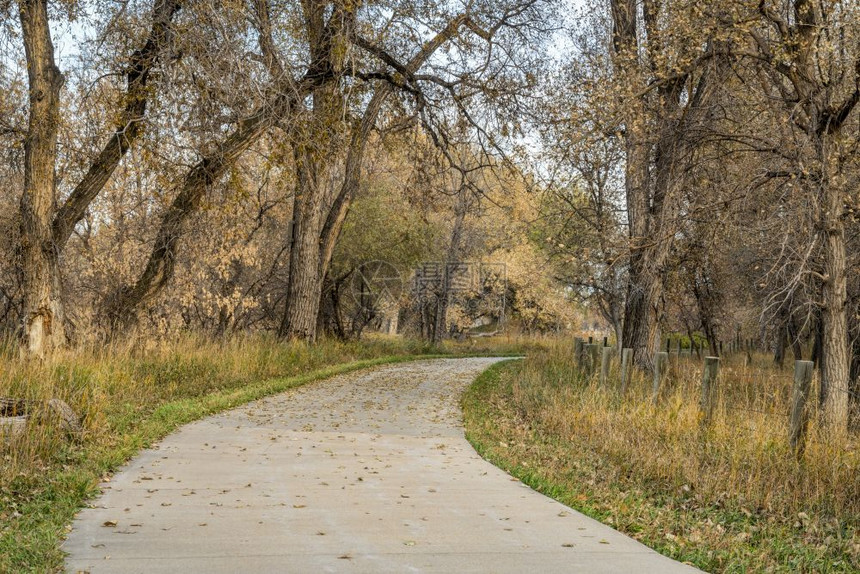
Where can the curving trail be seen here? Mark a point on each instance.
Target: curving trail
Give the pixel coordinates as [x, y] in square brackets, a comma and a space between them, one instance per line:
[365, 472]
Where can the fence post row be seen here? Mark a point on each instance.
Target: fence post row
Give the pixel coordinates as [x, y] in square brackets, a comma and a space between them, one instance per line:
[586, 356]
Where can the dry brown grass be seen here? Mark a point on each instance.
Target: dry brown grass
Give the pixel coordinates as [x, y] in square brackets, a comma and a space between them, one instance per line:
[108, 387]
[730, 497]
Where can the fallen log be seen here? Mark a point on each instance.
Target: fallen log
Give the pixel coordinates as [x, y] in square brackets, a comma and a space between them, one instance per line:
[15, 413]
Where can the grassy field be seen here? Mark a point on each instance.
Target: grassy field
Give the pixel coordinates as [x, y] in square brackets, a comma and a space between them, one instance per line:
[130, 396]
[728, 498]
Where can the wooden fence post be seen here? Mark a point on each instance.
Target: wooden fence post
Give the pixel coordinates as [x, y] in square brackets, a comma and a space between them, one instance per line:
[661, 359]
[593, 352]
[626, 360]
[577, 351]
[604, 365]
[799, 421]
[709, 386]
[582, 358]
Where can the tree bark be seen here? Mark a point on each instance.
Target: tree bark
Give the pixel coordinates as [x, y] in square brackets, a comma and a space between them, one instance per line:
[822, 108]
[304, 287]
[43, 328]
[835, 363]
[452, 257]
[779, 341]
[649, 182]
[641, 283]
[854, 386]
[314, 140]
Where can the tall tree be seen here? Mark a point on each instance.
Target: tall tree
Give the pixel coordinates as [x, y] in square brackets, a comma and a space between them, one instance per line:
[45, 227]
[43, 316]
[812, 54]
[318, 212]
[667, 67]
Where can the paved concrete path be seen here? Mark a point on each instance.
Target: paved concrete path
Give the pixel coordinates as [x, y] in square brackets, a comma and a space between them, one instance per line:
[367, 472]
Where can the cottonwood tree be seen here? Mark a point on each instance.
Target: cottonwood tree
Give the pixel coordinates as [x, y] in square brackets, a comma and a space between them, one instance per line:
[46, 224]
[472, 36]
[341, 58]
[811, 52]
[667, 66]
[384, 224]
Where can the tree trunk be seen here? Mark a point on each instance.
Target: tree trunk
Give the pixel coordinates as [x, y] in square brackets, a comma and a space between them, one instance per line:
[43, 310]
[854, 387]
[452, 258]
[304, 285]
[330, 317]
[640, 313]
[835, 359]
[644, 285]
[45, 230]
[646, 194]
[779, 347]
[794, 339]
